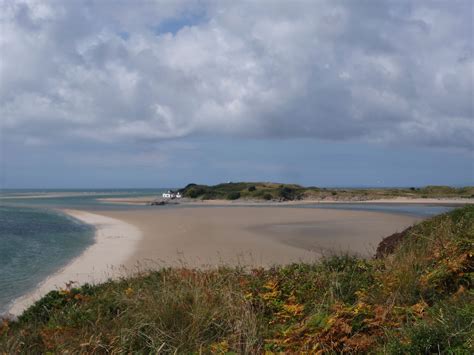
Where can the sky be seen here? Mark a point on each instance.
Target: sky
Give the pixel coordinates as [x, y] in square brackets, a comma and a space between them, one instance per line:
[110, 94]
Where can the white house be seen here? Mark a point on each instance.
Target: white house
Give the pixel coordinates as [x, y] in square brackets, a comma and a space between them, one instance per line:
[171, 194]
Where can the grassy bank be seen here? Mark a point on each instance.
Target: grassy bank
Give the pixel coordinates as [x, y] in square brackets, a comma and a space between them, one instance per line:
[288, 192]
[420, 299]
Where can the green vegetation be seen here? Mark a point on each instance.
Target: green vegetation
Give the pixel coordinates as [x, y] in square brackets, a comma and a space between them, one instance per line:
[267, 196]
[420, 299]
[233, 195]
[289, 192]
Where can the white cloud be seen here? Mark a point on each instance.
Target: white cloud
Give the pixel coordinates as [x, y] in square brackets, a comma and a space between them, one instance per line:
[103, 70]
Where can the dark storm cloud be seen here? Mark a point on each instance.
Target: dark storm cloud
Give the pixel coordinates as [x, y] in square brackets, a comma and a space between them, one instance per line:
[396, 71]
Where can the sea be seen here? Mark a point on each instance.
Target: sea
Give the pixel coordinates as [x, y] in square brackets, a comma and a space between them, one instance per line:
[36, 239]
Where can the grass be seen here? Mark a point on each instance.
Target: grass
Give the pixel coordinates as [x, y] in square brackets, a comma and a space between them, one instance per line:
[288, 192]
[420, 299]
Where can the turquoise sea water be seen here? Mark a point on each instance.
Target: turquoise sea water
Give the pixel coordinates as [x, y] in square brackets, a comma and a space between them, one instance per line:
[79, 199]
[36, 239]
[34, 243]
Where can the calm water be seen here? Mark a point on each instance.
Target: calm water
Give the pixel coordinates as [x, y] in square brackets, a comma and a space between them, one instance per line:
[36, 240]
[407, 209]
[34, 243]
[79, 199]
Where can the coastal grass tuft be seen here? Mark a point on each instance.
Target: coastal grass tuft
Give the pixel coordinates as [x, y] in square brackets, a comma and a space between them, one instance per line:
[418, 299]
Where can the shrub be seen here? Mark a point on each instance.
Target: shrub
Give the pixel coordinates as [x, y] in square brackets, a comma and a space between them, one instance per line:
[348, 274]
[194, 192]
[233, 196]
[287, 193]
[209, 196]
[252, 188]
[445, 329]
[267, 196]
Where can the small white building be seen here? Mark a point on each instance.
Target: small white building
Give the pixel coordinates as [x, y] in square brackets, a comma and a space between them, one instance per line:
[169, 194]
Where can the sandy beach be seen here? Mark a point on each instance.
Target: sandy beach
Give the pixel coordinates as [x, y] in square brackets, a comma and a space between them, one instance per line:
[115, 241]
[257, 236]
[136, 240]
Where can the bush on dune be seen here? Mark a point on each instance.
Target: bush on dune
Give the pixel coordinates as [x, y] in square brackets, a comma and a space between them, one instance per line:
[233, 196]
[419, 299]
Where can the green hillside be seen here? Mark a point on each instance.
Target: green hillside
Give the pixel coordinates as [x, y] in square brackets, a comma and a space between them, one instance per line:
[287, 192]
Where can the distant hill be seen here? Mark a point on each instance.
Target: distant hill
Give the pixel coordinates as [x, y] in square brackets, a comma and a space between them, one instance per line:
[288, 192]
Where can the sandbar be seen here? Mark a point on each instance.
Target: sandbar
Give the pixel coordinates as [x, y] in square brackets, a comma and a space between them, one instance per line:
[255, 236]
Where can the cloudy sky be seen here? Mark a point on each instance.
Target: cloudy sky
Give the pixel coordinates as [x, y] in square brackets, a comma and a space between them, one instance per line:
[102, 93]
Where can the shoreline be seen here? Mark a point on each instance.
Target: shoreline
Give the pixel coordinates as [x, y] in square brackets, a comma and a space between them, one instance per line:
[128, 241]
[114, 243]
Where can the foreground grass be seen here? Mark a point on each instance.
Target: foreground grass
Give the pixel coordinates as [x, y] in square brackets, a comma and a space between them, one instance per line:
[288, 192]
[418, 300]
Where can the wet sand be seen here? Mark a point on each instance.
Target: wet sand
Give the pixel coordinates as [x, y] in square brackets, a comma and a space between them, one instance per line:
[257, 236]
